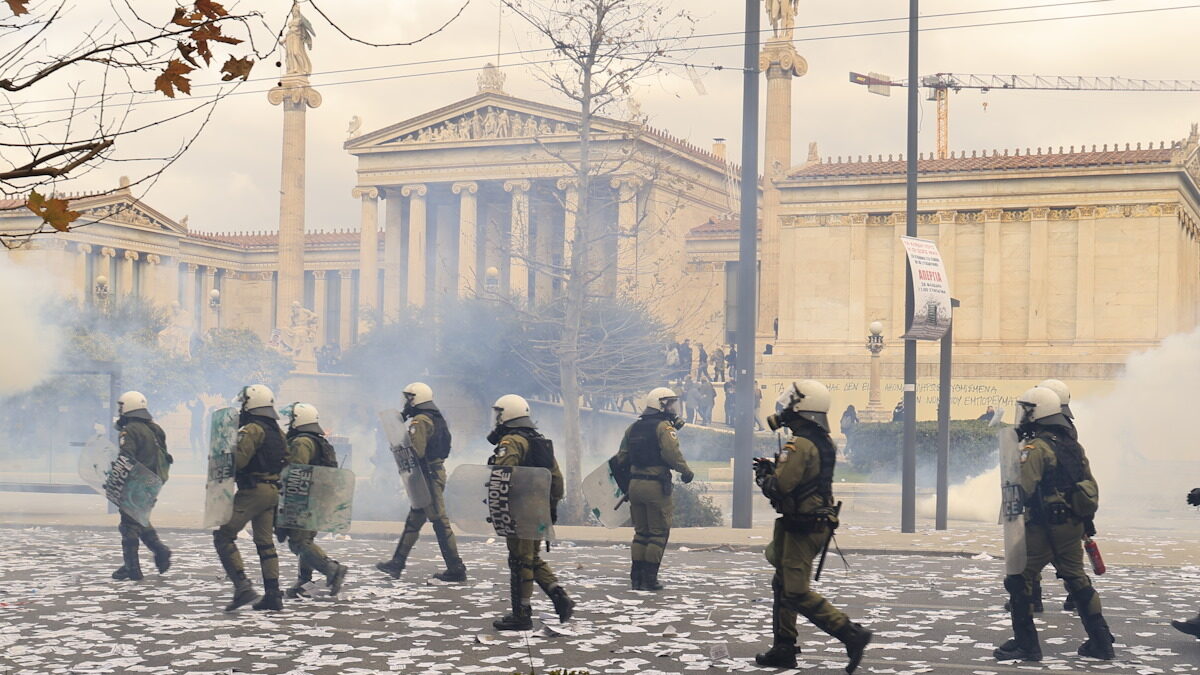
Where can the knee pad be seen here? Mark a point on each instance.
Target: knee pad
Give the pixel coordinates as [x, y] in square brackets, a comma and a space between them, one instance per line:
[1015, 585]
[219, 538]
[128, 531]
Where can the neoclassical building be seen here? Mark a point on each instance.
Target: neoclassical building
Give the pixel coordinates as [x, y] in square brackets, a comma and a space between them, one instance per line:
[1065, 260]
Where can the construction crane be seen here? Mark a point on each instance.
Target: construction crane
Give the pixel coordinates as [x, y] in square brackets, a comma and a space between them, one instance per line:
[940, 85]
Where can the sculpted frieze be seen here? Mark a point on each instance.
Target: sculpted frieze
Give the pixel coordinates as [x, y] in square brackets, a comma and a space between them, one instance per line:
[487, 123]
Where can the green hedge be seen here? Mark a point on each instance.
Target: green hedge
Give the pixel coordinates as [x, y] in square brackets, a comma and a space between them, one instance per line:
[706, 444]
[693, 507]
[875, 449]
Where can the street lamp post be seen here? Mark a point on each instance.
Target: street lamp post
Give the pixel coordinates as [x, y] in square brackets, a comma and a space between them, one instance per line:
[101, 292]
[214, 303]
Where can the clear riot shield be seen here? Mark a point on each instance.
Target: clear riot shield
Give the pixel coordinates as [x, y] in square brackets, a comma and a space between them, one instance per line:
[1012, 502]
[510, 501]
[416, 483]
[315, 498]
[129, 485]
[220, 486]
[605, 499]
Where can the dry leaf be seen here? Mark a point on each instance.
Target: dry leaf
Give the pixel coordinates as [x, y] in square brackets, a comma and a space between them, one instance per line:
[173, 77]
[235, 68]
[53, 211]
[182, 18]
[18, 7]
[186, 51]
[210, 9]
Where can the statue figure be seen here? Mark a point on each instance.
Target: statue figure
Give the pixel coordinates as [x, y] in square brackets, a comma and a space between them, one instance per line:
[491, 80]
[502, 127]
[302, 337]
[531, 126]
[782, 15]
[490, 123]
[476, 125]
[296, 41]
[355, 125]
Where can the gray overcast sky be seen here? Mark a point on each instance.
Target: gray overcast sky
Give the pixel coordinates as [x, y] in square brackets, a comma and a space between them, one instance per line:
[230, 178]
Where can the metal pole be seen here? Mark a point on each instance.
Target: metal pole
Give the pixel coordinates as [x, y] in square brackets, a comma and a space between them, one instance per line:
[943, 442]
[747, 277]
[908, 499]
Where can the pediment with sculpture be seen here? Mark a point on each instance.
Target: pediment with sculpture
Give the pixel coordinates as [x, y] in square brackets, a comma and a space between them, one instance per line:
[131, 213]
[488, 122]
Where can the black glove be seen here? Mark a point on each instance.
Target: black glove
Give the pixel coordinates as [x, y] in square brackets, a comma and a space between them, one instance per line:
[1193, 497]
[281, 533]
[762, 468]
[687, 476]
[1089, 528]
[554, 514]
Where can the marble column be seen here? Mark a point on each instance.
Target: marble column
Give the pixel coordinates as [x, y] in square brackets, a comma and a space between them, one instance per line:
[1085, 275]
[416, 242]
[395, 255]
[320, 305]
[296, 96]
[153, 283]
[570, 197]
[992, 287]
[625, 273]
[1039, 268]
[81, 280]
[781, 63]
[468, 223]
[128, 260]
[346, 317]
[368, 244]
[518, 240]
[189, 293]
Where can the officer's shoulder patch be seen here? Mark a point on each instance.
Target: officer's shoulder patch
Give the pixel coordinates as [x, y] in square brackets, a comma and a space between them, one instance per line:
[121, 438]
[1025, 453]
[671, 433]
[783, 455]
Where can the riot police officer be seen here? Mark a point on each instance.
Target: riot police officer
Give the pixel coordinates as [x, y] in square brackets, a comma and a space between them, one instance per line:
[431, 443]
[799, 484]
[142, 440]
[1060, 495]
[259, 458]
[1192, 625]
[650, 449]
[518, 443]
[307, 445]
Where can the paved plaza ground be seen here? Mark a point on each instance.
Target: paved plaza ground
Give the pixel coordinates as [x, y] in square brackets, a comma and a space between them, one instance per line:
[60, 613]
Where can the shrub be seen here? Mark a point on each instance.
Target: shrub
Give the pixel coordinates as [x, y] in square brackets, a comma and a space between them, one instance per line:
[875, 449]
[706, 444]
[693, 506]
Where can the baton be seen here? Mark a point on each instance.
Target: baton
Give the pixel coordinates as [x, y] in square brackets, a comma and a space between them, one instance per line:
[837, 509]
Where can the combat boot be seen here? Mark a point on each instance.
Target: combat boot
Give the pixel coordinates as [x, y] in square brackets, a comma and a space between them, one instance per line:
[1099, 644]
[782, 654]
[564, 606]
[856, 638]
[635, 575]
[132, 569]
[336, 578]
[243, 593]
[1069, 604]
[1191, 626]
[297, 590]
[521, 618]
[650, 577]
[1024, 645]
[456, 575]
[272, 599]
[392, 567]
[162, 554]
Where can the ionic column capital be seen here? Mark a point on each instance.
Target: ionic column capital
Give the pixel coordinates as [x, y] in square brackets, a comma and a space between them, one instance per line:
[368, 192]
[319, 275]
[470, 186]
[947, 216]
[346, 275]
[780, 59]
[517, 186]
[108, 252]
[210, 271]
[415, 190]
[191, 267]
[130, 255]
[153, 258]
[85, 249]
[626, 185]
[567, 184]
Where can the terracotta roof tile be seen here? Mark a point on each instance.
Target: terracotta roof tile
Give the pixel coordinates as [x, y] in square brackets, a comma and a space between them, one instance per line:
[718, 226]
[990, 162]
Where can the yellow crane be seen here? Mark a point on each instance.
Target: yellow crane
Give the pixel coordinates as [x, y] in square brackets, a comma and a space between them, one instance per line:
[939, 86]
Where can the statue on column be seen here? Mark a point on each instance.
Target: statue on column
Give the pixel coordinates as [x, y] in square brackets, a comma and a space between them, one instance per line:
[782, 15]
[296, 42]
[176, 337]
[302, 338]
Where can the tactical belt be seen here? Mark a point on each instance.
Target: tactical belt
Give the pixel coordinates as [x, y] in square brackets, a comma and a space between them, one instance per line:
[251, 482]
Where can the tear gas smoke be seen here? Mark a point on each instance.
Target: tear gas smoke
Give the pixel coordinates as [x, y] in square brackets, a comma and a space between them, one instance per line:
[30, 347]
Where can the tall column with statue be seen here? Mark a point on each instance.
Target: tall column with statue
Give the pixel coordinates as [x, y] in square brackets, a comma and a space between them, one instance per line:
[781, 63]
[295, 94]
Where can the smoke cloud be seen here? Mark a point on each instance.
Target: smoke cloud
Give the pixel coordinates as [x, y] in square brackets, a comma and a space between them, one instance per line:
[31, 344]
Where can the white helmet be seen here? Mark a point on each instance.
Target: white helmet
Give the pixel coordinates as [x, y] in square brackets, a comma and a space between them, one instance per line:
[418, 393]
[1064, 395]
[1037, 404]
[510, 407]
[258, 399]
[662, 399]
[808, 399]
[301, 415]
[131, 401]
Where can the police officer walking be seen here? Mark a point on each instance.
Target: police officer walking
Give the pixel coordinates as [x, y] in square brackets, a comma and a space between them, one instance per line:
[650, 449]
[1060, 495]
[431, 443]
[799, 484]
[307, 445]
[1192, 625]
[259, 458]
[518, 443]
[143, 441]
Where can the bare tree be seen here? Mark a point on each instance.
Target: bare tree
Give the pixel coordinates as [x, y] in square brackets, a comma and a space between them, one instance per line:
[606, 46]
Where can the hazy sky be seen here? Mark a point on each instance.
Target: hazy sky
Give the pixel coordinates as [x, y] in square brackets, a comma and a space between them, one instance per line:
[230, 178]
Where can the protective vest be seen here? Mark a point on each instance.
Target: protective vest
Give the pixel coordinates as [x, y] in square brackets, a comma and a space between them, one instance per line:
[541, 449]
[644, 448]
[439, 443]
[1069, 478]
[271, 456]
[822, 484]
[162, 459]
[326, 455]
